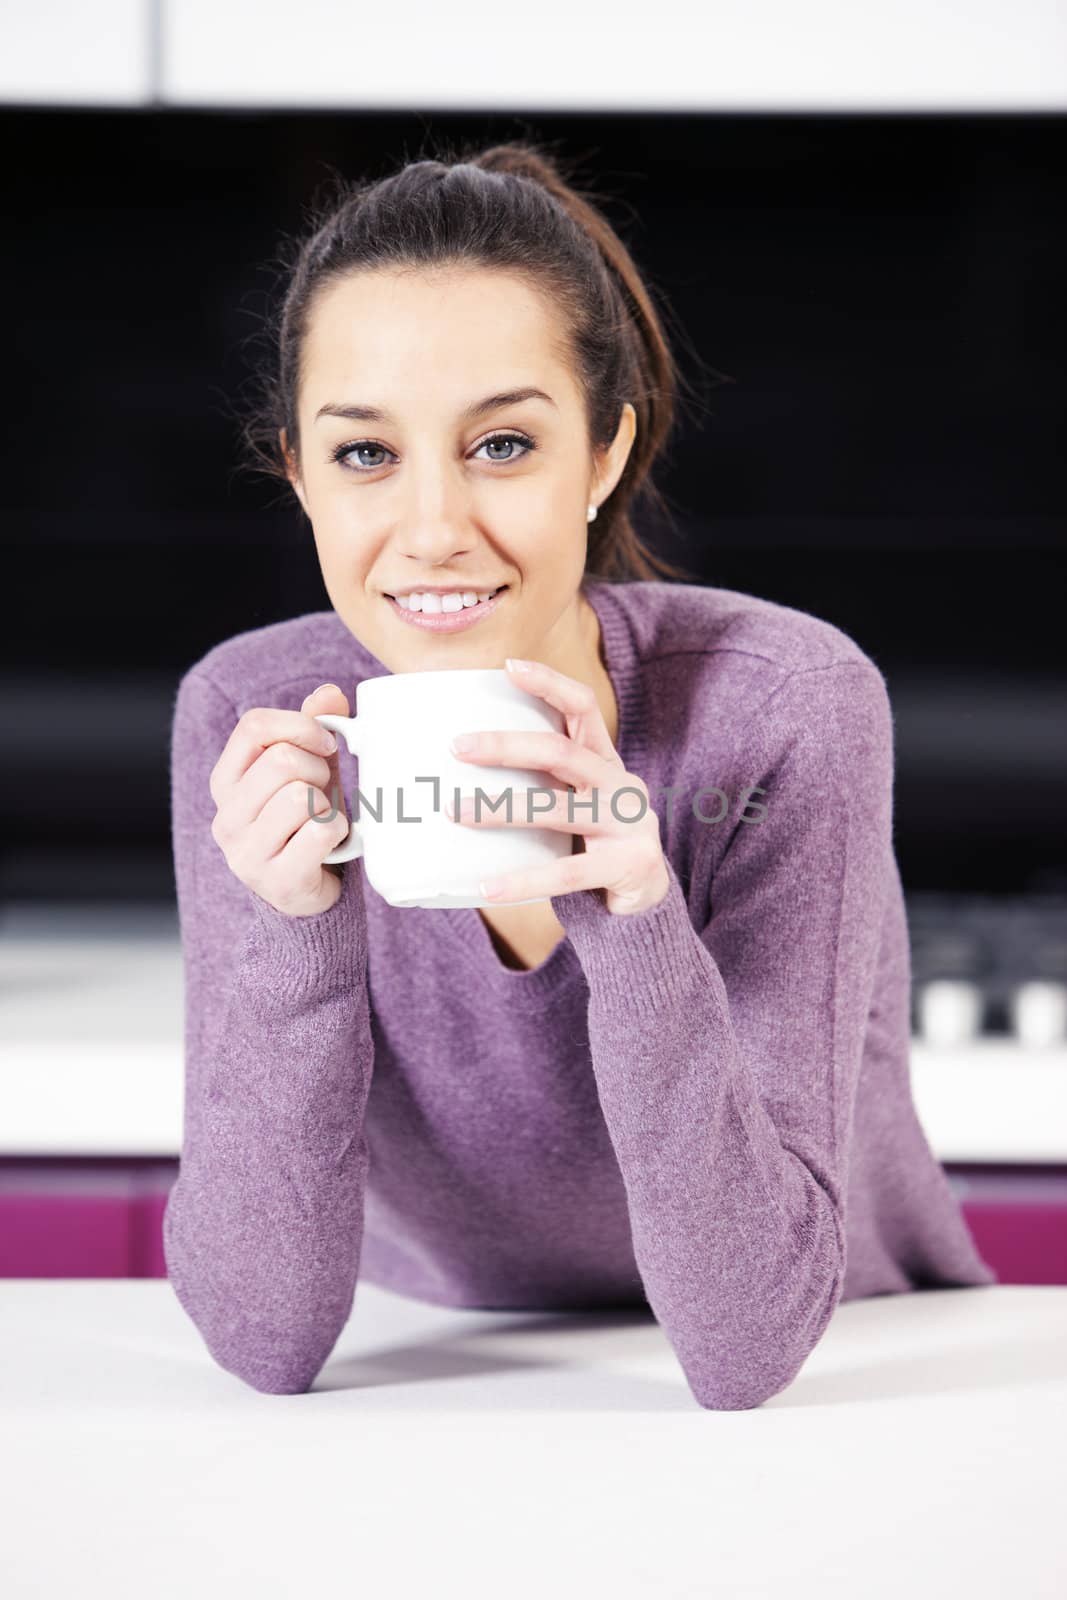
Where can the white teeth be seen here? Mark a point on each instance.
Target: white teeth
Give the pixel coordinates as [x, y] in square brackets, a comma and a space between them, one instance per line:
[442, 602]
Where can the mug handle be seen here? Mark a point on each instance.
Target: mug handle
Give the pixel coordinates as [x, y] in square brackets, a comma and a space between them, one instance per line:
[345, 728]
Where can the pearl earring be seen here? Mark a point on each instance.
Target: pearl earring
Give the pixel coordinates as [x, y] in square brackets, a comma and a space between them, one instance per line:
[590, 514]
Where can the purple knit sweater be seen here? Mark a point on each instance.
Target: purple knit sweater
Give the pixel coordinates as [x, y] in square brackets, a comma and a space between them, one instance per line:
[704, 1108]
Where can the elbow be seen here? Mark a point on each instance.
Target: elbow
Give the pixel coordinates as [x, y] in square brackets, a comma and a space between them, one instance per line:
[735, 1392]
[271, 1367]
[744, 1386]
[268, 1365]
[267, 1377]
[754, 1366]
[266, 1356]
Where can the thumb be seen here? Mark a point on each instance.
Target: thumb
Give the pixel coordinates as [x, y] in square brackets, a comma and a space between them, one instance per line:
[327, 697]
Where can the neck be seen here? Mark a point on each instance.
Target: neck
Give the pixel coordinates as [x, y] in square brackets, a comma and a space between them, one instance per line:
[595, 672]
[575, 647]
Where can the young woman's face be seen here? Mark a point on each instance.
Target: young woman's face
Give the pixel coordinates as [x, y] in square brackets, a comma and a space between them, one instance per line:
[428, 494]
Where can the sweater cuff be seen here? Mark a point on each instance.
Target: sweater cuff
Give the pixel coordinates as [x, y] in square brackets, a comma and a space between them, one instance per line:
[639, 963]
[319, 953]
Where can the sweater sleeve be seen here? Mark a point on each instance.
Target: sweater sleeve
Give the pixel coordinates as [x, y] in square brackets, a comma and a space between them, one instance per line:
[263, 1228]
[727, 1059]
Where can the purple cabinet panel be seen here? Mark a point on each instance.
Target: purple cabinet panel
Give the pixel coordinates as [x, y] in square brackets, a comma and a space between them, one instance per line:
[103, 1218]
[83, 1217]
[1018, 1219]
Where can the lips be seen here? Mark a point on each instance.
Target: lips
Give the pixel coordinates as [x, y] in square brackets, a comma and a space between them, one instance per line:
[490, 590]
[447, 621]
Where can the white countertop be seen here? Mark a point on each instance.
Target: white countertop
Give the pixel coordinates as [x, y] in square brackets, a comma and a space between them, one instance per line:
[485, 1454]
[91, 1056]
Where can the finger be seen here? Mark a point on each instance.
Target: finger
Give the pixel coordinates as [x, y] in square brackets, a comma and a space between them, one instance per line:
[585, 720]
[275, 768]
[475, 812]
[255, 732]
[302, 855]
[564, 876]
[552, 753]
[292, 812]
[329, 698]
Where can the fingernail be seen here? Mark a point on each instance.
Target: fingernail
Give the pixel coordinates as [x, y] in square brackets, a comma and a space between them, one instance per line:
[331, 742]
[324, 686]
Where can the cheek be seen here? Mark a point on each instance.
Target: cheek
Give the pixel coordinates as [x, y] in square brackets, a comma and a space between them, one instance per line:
[339, 525]
[339, 554]
[543, 511]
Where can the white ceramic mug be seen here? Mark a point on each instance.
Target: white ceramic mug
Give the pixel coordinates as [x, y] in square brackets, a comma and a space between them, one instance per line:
[414, 854]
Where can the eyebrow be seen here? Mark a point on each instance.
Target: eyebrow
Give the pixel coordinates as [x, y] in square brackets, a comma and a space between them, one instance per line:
[492, 402]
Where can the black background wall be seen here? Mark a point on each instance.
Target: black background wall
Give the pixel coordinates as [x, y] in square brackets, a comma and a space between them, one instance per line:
[885, 293]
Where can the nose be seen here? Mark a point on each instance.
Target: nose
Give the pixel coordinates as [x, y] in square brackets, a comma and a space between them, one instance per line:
[435, 523]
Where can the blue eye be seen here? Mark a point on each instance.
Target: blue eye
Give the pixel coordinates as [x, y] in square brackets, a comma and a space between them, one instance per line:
[509, 438]
[344, 450]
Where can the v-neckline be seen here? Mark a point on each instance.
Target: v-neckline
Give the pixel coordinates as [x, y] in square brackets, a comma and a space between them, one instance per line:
[472, 934]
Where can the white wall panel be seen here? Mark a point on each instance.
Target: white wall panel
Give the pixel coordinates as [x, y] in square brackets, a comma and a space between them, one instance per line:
[566, 54]
[76, 52]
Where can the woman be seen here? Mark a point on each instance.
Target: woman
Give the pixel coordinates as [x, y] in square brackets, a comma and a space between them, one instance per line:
[682, 1078]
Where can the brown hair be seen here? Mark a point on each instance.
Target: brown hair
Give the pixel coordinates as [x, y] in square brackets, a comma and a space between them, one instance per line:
[508, 207]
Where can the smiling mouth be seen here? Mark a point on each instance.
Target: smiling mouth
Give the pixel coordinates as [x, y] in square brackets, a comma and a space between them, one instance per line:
[437, 606]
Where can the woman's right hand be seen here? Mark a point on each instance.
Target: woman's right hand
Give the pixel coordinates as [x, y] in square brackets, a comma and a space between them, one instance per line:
[262, 824]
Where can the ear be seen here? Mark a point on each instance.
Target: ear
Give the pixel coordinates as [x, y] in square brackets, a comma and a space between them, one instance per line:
[611, 462]
[291, 471]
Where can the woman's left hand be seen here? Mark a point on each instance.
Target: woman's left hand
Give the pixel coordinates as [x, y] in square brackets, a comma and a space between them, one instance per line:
[623, 857]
